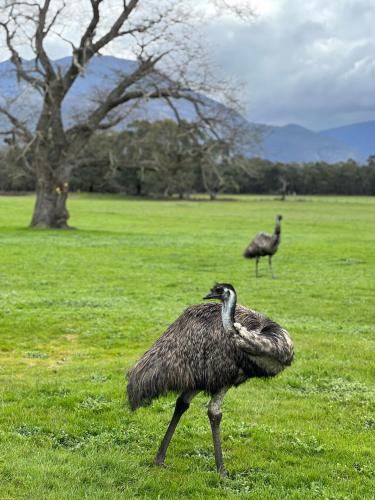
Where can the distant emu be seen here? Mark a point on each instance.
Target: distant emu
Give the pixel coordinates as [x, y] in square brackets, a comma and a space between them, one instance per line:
[264, 244]
[209, 348]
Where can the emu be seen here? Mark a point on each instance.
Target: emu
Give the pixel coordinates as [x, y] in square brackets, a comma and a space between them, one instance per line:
[208, 348]
[264, 244]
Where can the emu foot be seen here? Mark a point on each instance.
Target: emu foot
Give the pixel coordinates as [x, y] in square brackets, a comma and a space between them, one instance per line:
[223, 472]
[159, 461]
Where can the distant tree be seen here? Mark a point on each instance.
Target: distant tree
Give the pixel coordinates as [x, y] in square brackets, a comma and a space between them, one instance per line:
[284, 184]
[214, 156]
[155, 31]
[161, 154]
[175, 157]
[97, 164]
[15, 170]
[368, 176]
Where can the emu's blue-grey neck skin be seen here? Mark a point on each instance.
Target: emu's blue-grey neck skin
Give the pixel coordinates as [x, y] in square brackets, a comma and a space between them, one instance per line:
[228, 309]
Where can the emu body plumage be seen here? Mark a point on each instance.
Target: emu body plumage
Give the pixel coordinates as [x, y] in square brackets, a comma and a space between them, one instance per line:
[264, 244]
[203, 350]
[195, 353]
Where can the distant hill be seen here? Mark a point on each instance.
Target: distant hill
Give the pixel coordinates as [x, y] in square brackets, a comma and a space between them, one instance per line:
[290, 143]
[360, 136]
[100, 75]
[293, 143]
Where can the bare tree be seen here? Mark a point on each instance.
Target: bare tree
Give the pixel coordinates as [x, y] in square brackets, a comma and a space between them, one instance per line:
[284, 184]
[151, 30]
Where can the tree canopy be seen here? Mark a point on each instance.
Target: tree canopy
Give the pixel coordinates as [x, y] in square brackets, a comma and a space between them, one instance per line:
[169, 158]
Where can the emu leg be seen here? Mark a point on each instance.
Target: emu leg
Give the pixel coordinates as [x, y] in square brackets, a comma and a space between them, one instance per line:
[182, 404]
[270, 266]
[215, 415]
[256, 266]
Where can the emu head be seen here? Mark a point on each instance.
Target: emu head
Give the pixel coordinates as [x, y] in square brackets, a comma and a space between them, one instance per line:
[221, 291]
[279, 218]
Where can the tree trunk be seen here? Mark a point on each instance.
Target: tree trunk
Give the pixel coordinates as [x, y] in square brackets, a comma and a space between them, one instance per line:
[50, 210]
[206, 183]
[52, 171]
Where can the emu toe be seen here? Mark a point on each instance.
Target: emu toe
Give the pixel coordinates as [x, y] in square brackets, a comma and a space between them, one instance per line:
[159, 462]
[223, 472]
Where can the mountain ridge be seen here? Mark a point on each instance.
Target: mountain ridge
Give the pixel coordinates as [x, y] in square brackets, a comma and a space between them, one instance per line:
[360, 135]
[287, 143]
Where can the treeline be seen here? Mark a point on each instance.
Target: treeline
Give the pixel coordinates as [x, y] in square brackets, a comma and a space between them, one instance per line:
[343, 178]
[165, 159]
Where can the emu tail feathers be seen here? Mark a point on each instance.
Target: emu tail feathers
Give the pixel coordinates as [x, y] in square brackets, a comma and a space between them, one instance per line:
[146, 381]
[250, 251]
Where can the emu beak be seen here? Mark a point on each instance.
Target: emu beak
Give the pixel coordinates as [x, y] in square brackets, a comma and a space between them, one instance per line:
[211, 295]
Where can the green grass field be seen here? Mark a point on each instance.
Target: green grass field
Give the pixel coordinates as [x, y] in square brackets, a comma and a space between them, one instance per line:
[78, 308]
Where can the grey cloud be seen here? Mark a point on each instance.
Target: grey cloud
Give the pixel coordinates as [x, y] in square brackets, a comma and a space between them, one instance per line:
[309, 62]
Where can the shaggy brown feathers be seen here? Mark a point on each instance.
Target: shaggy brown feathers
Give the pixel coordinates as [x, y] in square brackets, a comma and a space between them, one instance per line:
[195, 353]
[263, 243]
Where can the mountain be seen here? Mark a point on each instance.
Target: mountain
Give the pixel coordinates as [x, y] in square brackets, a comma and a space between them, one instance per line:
[100, 76]
[293, 143]
[360, 136]
[290, 143]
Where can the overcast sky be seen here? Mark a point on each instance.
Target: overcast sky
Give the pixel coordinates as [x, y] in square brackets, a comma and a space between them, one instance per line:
[309, 62]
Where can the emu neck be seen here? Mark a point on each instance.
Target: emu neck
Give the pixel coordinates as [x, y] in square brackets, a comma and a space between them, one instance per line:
[277, 232]
[228, 310]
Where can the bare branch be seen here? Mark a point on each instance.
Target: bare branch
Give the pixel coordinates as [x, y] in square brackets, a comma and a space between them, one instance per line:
[16, 59]
[241, 9]
[88, 48]
[54, 18]
[174, 108]
[115, 29]
[18, 126]
[119, 95]
[41, 33]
